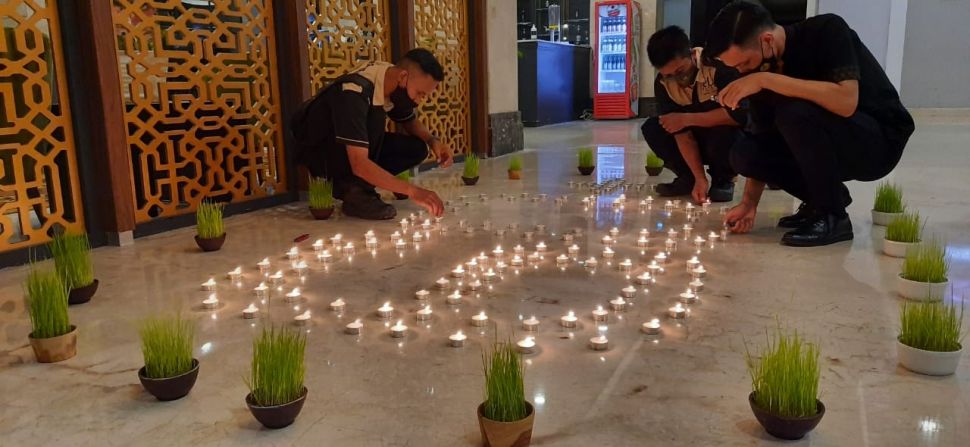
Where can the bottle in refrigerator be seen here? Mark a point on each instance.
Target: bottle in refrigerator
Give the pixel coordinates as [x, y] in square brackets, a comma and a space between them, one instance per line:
[534, 32]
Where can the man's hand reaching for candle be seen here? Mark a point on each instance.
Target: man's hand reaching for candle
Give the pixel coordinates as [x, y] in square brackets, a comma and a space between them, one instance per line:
[427, 199]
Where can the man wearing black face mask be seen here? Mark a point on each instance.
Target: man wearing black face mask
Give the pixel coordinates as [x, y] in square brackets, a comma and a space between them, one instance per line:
[692, 129]
[340, 134]
[823, 112]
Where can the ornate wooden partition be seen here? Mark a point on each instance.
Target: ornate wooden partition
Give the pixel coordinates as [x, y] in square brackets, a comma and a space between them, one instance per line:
[442, 27]
[342, 34]
[201, 96]
[39, 185]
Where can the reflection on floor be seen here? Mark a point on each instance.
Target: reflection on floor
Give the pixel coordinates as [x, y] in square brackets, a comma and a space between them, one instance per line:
[687, 386]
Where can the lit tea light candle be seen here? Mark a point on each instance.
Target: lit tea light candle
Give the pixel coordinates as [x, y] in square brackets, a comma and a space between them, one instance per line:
[699, 241]
[661, 258]
[724, 234]
[500, 266]
[569, 320]
[591, 262]
[300, 267]
[644, 205]
[516, 261]
[263, 265]
[234, 274]
[518, 250]
[336, 240]
[293, 295]
[651, 327]
[696, 285]
[474, 285]
[442, 283]
[371, 242]
[338, 305]
[369, 234]
[600, 315]
[454, 298]
[713, 237]
[643, 242]
[608, 253]
[698, 272]
[668, 206]
[385, 311]
[614, 232]
[457, 339]
[469, 230]
[250, 312]
[276, 278]
[573, 250]
[567, 237]
[293, 253]
[676, 203]
[644, 233]
[692, 263]
[607, 240]
[527, 345]
[562, 259]
[400, 244]
[649, 200]
[498, 252]
[629, 291]
[404, 224]
[644, 278]
[618, 304]
[670, 245]
[654, 268]
[541, 246]
[599, 343]
[260, 290]
[209, 285]
[211, 302]
[354, 327]
[399, 330]
[424, 314]
[540, 228]
[706, 204]
[530, 324]
[417, 237]
[672, 234]
[302, 319]
[325, 256]
[677, 312]
[489, 275]
[482, 259]
[586, 201]
[395, 236]
[471, 265]
[688, 296]
[625, 265]
[426, 225]
[480, 320]
[458, 272]
[617, 203]
[318, 245]
[421, 294]
[533, 258]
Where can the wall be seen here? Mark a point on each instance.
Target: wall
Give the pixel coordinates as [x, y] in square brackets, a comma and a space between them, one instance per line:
[676, 12]
[881, 24]
[503, 81]
[935, 63]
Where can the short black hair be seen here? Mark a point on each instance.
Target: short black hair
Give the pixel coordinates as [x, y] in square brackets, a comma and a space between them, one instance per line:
[737, 23]
[426, 61]
[666, 45]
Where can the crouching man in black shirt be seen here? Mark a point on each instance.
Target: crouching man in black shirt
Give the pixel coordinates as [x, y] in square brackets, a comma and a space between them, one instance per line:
[822, 111]
[340, 134]
[691, 129]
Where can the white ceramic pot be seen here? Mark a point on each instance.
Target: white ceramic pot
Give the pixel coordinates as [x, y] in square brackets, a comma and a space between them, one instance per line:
[920, 291]
[928, 362]
[883, 219]
[896, 249]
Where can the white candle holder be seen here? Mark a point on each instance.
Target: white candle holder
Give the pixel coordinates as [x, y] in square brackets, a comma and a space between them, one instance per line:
[661, 258]
[263, 265]
[567, 237]
[651, 327]
[599, 343]
[354, 327]
[699, 242]
[573, 250]
[628, 292]
[618, 304]
[501, 266]
[516, 261]
[250, 312]
[526, 345]
[338, 305]
[614, 232]
[302, 319]
[473, 285]
[518, 250]
[385, 311]
[568, 320]
[458, 272]
[607, 253]
[541, 247]
[601, 315]
[530, 324]
[562, 260]
[293, 253]
[643, 242]
[696, 285]
[454, 299]
[235, 274]
[670, 245]
[399, 330]
[607, 240]
[688, 297]
[677, 312]
[293, 295]
[698, 273]
[591, 263]
[325, 256]
[424, 314]
[209, 285]
[625, 265]
[489, 276]
[672, 234]
[457, 340]
[480, 320]
[422, 295]
[442, 283]
[644, 279]
[261, 290]
[211, 302]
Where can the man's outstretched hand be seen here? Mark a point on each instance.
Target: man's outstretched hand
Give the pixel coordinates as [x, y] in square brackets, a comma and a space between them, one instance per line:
[427, 199]
[740, 219]
[442, 151]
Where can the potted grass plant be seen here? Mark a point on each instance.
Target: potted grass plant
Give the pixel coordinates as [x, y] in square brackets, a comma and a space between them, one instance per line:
[586, 165]
[469, 174]
[784, 379]
[924, 275]
[888, 204]
[166, 344]
[406, 176]
[210, 233]
[901, 234]
[276, 390]
[515, 167]
[320, 195]
[505, 418]
[72, 261]
[655, 165]
[52, 335]
[930, 335]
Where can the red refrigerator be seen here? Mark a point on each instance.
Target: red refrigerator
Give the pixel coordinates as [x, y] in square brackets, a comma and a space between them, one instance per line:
[616, 59]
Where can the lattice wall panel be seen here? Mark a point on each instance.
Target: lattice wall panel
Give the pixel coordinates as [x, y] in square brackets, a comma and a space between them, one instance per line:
[442, 27]
[343, 34]
[38, 170]
[202, 102]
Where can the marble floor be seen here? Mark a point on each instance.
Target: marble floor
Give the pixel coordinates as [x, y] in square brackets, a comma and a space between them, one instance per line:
[687, 387]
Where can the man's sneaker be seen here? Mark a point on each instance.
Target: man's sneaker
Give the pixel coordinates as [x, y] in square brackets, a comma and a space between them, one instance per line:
[721, 191]
[679, 187]
[366, 204]
[805, 213]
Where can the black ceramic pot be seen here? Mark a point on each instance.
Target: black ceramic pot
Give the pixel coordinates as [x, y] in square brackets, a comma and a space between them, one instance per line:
[785, 427]
[170, 388]
[213, 244]
[82, 295]
[276, 416]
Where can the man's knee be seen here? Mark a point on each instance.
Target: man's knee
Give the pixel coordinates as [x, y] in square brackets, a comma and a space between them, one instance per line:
[652, 130]
[796, 113]
[743, 157]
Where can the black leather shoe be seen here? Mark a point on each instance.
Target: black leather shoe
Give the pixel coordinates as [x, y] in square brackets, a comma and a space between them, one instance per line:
[721, 191]
[365, 203]
[823, 229]
[804, 213]
[679, 187]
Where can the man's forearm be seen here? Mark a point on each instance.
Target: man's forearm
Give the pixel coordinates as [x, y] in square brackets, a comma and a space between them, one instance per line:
[687, 145]
[839, 98]
[752, 192]
[712, 118]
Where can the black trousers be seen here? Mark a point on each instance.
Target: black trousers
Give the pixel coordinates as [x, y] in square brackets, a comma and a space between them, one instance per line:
[396, 154]
[714, 143]
[809, 152]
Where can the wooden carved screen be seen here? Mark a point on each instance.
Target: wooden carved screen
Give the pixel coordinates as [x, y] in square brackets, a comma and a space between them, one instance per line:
[39, 185]
[343, 34]
[201, 97]
[442, 27]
